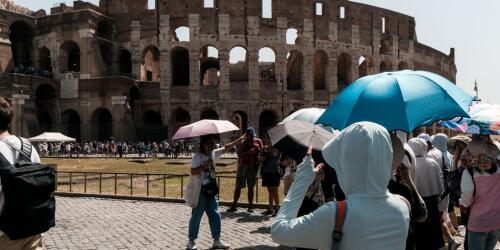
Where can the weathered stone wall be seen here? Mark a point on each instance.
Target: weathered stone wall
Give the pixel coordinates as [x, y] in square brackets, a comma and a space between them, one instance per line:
[345, 32]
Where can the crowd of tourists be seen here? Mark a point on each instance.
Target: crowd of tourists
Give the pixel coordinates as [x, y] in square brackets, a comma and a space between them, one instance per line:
[400, 193]
[113, 148]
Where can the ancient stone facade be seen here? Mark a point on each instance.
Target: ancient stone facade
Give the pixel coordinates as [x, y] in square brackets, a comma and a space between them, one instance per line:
[120, 69]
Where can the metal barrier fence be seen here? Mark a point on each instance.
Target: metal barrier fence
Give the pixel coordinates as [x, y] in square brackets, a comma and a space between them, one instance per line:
[149, 185]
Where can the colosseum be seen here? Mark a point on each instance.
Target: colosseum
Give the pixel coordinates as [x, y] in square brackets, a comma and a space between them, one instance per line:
[125, 70]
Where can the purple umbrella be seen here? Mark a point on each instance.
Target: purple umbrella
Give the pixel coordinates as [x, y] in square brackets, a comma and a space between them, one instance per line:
[204, 127]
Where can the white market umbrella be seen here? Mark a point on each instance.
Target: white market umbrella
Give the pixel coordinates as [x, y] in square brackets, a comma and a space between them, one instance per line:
[51, 137]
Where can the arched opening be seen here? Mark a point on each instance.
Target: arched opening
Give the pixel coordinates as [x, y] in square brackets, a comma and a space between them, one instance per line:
[240, 119]
[292, 36]
[209, 114]
[150, 67]
[267, 63]
[319, 71]
[21, 39]
[104, 30]
[102, 124]
[294, 63]
[70, 57]
[363, 66]
[182, 34]
[267, 120]
[46, 97]
[152, 127]
[125, 61]
[179, 57]
[238, 65]
[71, 123]
[44, 61]
[107, 58]
[403, 66]
[133, 96]
[209, 66]
[385, 66]
[44, 121]
[181, 118]
[343, 71]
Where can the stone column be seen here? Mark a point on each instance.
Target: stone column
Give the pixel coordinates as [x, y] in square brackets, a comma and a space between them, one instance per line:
[253, 73]
[224, 83]
[194, 76]
[165, 68]
[332, 84]
[307, 72]
[135, 50]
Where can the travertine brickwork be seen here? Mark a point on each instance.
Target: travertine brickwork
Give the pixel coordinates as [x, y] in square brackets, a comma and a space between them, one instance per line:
[142, 72]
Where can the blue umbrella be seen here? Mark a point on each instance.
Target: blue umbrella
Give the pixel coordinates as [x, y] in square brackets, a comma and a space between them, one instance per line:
[402, 100]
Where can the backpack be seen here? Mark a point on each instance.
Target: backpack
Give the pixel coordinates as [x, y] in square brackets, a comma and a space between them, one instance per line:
[28, 188]
[340, 214]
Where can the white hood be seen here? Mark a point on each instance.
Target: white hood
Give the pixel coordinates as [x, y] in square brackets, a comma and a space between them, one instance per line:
[419, 147]
[440, 141]
[362, 157]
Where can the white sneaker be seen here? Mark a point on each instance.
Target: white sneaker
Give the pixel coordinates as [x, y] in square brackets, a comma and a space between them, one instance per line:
[218, 244]
[191, 245]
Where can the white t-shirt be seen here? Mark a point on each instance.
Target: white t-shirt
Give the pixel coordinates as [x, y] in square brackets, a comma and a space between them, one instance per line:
[11, 155]
[200, 159]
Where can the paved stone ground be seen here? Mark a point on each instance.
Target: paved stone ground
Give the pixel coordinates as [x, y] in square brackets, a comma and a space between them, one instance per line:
[92, 223]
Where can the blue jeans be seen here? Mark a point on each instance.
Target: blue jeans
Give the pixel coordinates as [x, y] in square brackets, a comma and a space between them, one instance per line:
[209, 205]
[483, 241]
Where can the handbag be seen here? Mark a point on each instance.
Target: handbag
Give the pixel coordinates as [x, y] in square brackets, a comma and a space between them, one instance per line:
[192, 194]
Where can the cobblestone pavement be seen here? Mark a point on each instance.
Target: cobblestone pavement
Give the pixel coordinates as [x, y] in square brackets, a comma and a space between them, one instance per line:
[92, 223]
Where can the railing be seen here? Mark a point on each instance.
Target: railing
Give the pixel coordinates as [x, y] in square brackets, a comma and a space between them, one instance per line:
[146, 185]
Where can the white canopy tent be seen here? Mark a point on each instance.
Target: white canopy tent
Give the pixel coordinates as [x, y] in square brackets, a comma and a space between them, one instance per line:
[51, 137]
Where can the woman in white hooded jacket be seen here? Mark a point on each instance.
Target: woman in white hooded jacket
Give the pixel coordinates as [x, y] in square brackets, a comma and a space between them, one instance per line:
[376, 219]
[429, 184]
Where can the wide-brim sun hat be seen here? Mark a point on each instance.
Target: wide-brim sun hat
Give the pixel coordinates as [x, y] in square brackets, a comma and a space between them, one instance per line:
[459, 138]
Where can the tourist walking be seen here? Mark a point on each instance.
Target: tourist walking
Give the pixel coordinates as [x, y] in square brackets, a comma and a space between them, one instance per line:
[429, 184]
[375, 219]
[248, 167]
[480, 191]
[202, 191]
[270, 172]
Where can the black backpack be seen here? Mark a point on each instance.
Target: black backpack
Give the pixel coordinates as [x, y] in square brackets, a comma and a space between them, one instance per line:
[28, 188]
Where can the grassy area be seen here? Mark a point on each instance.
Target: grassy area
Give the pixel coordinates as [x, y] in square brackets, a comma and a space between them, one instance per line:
[113, 176]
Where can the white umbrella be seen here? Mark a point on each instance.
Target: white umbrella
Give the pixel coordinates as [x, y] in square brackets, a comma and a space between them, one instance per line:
[51, 137]
[204, 127]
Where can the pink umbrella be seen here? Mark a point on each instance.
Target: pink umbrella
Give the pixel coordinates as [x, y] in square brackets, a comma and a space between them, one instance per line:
[204, 127]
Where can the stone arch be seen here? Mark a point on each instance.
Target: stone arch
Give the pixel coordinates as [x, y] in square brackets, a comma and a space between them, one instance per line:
[70, 57]
[267, 64]
[70, 121]
[179, 57]
[364, 66]
[385, 66]
[267, 120]
[181, 34]
[292, 36]
[320, 60]
[107, 57]
[238, 64]
[44, 60]
[102, 124]
[343, 71]
[209, 114]
[209, 66]
[125, 62]
[133, 96]
[294, 64]
[44, 121]
[403, 66]
[152, 128]
[104, 30]
[240, 119]
[21, 38]
[180, 117]
[45, 103]
[150, 66]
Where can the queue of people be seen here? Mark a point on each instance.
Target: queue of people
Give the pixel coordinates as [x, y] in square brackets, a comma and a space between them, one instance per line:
[399, 193]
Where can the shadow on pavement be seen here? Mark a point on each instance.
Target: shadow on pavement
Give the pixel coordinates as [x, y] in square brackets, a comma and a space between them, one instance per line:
[261, 247]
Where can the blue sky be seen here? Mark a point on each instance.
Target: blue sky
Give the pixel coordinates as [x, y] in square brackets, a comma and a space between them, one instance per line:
[471, 27]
